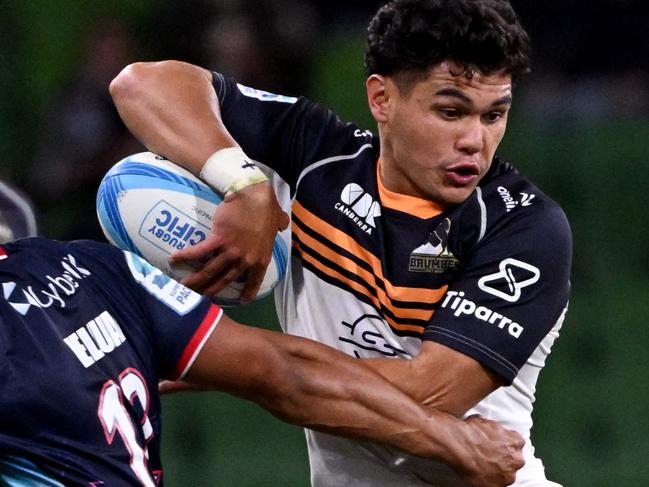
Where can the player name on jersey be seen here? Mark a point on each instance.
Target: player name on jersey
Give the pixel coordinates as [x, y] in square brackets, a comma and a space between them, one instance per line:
[95, 339]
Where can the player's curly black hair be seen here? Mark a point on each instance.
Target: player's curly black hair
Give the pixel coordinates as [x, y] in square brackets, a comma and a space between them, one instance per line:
[411, 36]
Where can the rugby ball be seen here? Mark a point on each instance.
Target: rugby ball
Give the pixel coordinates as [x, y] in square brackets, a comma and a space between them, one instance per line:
[153, 208]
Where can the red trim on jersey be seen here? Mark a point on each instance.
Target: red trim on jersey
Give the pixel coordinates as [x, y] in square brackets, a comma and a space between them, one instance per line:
[197, 342]
[3, 253]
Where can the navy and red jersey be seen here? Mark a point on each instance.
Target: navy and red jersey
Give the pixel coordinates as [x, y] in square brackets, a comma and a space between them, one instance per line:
[86, 333]
[374, 273]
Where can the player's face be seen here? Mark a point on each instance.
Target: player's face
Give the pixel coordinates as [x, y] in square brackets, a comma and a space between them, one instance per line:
[438, 139]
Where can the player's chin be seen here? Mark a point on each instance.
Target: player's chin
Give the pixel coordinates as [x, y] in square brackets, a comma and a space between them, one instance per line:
[454, 195]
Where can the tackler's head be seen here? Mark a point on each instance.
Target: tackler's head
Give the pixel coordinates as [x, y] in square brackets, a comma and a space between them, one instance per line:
[17, 219]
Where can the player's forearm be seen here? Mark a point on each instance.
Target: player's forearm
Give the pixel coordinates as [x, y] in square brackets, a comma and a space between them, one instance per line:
[423, 388]
[171, 107]
[337, 395]
[314, 386]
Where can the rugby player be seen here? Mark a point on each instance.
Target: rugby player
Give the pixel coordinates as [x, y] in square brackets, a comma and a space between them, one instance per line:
[418, 250]
[86, 332]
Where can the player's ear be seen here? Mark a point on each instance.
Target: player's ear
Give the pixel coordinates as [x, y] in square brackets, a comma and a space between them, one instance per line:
[378, 97]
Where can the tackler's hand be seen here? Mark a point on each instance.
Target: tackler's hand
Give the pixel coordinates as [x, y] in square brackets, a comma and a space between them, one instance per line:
[241, 242]
[493, 456]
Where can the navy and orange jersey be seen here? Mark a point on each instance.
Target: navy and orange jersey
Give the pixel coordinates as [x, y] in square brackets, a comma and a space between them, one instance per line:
[374, 273]
[488, 277]
[86, 333]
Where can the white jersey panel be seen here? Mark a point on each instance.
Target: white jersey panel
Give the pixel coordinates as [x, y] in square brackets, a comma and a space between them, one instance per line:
[303, 301]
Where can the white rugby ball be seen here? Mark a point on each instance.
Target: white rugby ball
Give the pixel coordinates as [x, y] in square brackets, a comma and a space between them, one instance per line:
[153, 208]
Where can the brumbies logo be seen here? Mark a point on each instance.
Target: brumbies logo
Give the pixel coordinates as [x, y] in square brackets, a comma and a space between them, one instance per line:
[434, 256]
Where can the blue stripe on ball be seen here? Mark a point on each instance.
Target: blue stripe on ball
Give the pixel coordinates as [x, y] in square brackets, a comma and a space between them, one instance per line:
[109, 214]
[130, 174]
[280, 257]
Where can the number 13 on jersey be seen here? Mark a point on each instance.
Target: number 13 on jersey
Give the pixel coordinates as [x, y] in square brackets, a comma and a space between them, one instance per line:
[115, 418]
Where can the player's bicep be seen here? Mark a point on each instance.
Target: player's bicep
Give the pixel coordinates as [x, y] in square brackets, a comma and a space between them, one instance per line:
[440, 377]
[511, 292]
[235, 358]
[451, 381]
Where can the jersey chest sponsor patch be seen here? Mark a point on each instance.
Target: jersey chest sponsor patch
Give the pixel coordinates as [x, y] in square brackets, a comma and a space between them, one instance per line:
[56, 290]
[359, 207]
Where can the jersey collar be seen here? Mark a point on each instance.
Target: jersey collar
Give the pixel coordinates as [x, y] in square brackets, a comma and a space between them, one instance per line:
[419, 207]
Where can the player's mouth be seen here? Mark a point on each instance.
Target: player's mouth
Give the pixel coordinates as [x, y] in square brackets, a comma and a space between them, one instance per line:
[463, 174]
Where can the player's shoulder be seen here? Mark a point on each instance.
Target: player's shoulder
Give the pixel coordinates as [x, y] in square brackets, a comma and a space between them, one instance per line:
[100, 256]
[310, 116]
[32, 250]
[79, 259]
[93, 248]
[45, 245]
[337, 137]
[508, 197]
[508, 211]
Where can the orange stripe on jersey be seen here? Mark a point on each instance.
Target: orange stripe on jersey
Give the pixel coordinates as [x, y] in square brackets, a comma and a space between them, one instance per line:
[358, 288]
[419, 207]
[345, 241]
[367, 276]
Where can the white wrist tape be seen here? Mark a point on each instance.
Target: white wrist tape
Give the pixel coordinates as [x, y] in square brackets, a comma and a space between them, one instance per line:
[230, 170]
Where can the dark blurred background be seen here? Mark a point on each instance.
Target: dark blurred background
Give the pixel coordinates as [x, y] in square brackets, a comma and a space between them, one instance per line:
[579, 129]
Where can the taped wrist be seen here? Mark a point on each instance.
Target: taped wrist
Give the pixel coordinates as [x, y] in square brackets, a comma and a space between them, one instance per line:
[230, 170]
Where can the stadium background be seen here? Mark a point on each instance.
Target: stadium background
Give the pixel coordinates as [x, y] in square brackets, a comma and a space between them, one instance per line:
[579, 129]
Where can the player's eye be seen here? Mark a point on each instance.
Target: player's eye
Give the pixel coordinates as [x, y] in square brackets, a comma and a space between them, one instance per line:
[449, 113]
[493, 117]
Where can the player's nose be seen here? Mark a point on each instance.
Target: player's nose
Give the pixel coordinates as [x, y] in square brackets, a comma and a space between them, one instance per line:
[470, 139]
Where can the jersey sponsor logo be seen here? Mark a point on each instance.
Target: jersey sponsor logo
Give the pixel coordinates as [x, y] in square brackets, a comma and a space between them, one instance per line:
[173, 294]
[59, 288]
[511, 202]
[512, 276]
[362, 133]
[364, 334]
[170, 229]
[264, 95]
[456, 301]
[359, 207]
[526, 199]
[434, 256]
[94, 340]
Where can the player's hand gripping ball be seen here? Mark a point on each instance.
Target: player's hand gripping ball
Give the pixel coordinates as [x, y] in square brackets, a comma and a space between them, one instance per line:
[153, 208]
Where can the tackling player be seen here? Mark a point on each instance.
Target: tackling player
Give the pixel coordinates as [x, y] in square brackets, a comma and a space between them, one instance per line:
[86, 332]
[418, 250]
